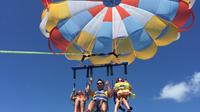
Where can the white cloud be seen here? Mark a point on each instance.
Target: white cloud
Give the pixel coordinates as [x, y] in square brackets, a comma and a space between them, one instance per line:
[177, 92]
[195, 83]
[183, 90]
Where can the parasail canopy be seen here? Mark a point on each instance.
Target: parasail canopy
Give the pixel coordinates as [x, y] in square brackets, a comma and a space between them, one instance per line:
[106, 31]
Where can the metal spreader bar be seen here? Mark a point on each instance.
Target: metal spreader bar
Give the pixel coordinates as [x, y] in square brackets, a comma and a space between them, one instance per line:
[89, 69]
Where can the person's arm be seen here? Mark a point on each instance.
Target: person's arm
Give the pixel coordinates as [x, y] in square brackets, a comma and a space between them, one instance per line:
[109, 89]
[88, 88]
[86, 96]
[72, 96]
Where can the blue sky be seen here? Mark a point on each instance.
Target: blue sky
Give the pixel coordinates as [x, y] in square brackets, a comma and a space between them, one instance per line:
[40, 83]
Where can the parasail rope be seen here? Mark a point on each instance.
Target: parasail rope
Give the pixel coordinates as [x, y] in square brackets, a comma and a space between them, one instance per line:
[36, 53]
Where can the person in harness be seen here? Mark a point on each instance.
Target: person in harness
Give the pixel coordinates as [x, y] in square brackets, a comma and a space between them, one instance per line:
[100, 97]
[122, 91]
[79, 99]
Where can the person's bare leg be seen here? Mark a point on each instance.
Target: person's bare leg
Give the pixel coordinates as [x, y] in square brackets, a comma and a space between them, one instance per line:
[78, 110]
[91, 106]
[125, 103]
[117, 102]
[76, 105]
[82, 105]
[104, 107]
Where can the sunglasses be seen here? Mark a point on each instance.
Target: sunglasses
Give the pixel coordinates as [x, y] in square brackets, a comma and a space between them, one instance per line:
[120, 80]
[99, 83]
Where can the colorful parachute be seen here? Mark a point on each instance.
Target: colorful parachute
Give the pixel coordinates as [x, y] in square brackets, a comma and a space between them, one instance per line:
[121, 29]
